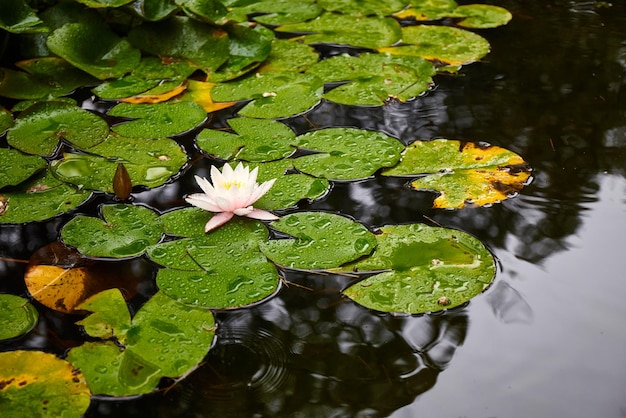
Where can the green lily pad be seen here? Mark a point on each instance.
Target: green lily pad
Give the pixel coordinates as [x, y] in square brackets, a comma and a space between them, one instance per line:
[164, 339]
[322, 241]
[276, 12]
[39, 199]
[257, 140]
[452, 46]
[463, 172]
[249, 46]
[211, 11]
[17, 167]
[346, 153]
[273, 94]
[157, 120]
[96, 4]
[365, 32]
[94, 50]
[125, 231]
[149, 162]
[482, 16]
[38, 129]
[289, 56]
[363, 7]
[374, 78]
[17, 17]
[153, 10]
[38, 384]
[428, 9]
[204, 46]
[17, 317]
[41, 78]
[189, 222]
[428, 269]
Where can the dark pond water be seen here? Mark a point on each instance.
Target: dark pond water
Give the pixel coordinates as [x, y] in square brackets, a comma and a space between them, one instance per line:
[548, 339]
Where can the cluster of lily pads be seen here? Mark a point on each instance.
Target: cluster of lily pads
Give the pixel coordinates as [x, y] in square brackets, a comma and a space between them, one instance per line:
[159, 67]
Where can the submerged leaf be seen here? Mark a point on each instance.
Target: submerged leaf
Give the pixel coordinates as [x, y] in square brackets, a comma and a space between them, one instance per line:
[17, 317]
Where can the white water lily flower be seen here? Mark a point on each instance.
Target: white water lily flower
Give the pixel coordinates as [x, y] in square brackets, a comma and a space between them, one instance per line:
[232, 193]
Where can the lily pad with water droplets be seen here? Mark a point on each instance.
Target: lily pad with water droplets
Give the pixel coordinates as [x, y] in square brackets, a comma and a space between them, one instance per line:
[94, 49]
[96, 4]
[482, 16]
[357, 31]
[39, 128]
[372, 79]
[149, 162]
[164, 339]
[273, 94]
[451, 46]
[17, 167]
[38, 384]
[210, 11]
[17, 317]
[124, 231]
[256, 140]
[289, 56]
[17, 17]
[6, 120]
[38, 199]
[321, 241]
[346, 153]
[463, 172]
[363, 7]
[157, 120]
[425, 269]
[275, 12]
[427, 9]
[154, 10]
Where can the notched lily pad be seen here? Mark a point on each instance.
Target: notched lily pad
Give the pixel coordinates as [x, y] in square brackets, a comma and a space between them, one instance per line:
[424, 269]
[124, 231]
[463, 172]
[482, 16]
[157, 120]
[321, 241]
[17, 167]
[17, 317]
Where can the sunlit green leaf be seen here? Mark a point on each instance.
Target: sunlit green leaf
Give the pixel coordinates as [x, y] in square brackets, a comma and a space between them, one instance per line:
[482, 16]
[38, 384]
[17, 317]
[149, 162]
[41, 198]
[204, 46]
[428, 269]
[257, 140]
[346, 153]
[124, 231]
[441, 43]
[273, 95]
[104, 3]
[200, 92]
[276, 12]
[211, 11]
[17, 167]
[463, 172]
[17, 17]
[38, 129]
[366, 32]
[428, 9]
[374, 78]
[41, 78]
[94, 50]
[322, 241]
[157, 120]
[289, 56]
[153, 10]
[363, 7]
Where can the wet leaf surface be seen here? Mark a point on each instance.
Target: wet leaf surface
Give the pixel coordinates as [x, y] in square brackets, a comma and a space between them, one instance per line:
[482, 16]
[17, 317]
[322, 241]
[17, 17]
[425, 269]
[6, 120]
[38, 384]
[276, 12]
[200, 92]
[289, 56]
[427, 9]
[363, 7]
[17, 167]
[157, 120]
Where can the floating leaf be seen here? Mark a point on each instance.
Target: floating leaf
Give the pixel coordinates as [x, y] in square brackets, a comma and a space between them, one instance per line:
[17, 167]
[6, 120]
[346, 153]
[442, 43]
[104, 3]
[374, 78]
[38, 384]
[157, 120]
[258, 140]
[41, 78]
[204, 46]
[17, 17]
[164, 339]
[125, 231]
[274, 95]
[289, 56]
[366, 32]
[38, 129]
[427, 9]
[322, 241]
[482, 16]
[211, 11]
[149, 162]
[200, 92]
[429, 269]
[152, 10]
[363, 7]
[94, 50]
[463, 172]
[17, 317]
[276, 12]
[39, 199]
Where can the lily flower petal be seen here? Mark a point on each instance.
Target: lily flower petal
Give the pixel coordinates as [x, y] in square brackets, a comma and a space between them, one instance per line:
[262, 215]
[218, 220]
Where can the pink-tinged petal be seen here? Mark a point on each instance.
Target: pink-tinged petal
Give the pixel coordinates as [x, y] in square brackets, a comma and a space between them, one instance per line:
[243, 211]
[261, 190]
[253, 175]
[218, 220]
[203, 202]
[262, 215]
[205, 185]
